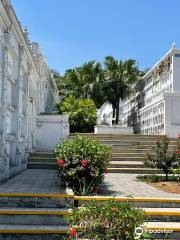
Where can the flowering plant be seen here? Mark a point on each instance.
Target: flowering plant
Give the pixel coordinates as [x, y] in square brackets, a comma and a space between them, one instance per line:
[106, 220]
[82, 163]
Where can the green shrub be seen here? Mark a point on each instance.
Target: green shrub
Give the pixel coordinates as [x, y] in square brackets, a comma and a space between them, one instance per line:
[161, 158]
[106, 221]
[82, 113]
[82, 163]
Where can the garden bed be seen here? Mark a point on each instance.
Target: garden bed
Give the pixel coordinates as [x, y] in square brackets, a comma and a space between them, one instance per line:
[159, 182]
[171, 187]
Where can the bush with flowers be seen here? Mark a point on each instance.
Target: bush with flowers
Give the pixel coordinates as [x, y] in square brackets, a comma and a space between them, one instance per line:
[106, 221]
[82, 163]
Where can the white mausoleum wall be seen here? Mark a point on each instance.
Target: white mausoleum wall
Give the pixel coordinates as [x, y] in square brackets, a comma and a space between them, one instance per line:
[50, 130]
[24, 77]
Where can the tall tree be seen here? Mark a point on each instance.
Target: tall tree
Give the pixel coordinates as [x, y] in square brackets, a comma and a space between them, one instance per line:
[118, 79]
[81, 82]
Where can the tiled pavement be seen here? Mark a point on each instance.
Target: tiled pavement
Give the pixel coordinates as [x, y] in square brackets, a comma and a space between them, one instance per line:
[46, 181]
[120, 184]
[34, 181]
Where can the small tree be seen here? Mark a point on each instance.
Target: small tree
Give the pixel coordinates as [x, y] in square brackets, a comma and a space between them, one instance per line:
[161, 158]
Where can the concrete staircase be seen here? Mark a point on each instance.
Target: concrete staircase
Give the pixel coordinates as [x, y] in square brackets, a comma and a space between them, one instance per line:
[34, 216]
[128, 153]
[163, 214]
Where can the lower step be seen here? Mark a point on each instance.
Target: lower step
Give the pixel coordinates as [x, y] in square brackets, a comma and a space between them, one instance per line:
[33, 200]
[35, 216]
[133, 170]
[27, 236]
[30, 232]
[41, 165]
[163, 230]
[127, 164]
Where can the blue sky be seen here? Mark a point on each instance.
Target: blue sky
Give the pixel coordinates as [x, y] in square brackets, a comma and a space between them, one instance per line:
[72, 32]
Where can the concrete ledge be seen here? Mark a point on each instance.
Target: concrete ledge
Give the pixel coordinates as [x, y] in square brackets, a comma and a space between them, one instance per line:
[103, 129]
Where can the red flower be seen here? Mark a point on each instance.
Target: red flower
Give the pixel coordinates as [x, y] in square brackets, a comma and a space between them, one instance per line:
[178, 152]
[73, 232]
[84, 163]
[60, 162]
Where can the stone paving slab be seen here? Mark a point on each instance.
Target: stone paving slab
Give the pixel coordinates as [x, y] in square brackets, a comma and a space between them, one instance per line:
[121, 184]
[34, 181]
[115, 184]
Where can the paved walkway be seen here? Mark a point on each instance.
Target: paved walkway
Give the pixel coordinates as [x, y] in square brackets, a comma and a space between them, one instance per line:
[34, 181]
[115, 184]
[122, 184]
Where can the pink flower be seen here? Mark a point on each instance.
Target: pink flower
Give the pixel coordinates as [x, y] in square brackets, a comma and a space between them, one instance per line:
[84, 163]
[73, 232]
[60, 162]
[178, 152]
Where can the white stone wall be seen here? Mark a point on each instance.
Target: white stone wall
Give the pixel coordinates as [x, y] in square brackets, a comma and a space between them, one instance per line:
[172, 114]
[24, 77]
[50, 130]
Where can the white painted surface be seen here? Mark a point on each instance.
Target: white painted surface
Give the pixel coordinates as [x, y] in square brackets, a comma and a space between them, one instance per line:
[172, 114]
[103, 129]
[104, 114]
[50, 130]
[25, 84]
[160, 113]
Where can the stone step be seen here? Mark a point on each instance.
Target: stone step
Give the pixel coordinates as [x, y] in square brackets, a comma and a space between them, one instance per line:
[163, 214]
[134, 150]
[42, 165]
[34, 232]
[128, 154]
[133, 170]
[141, 202]
[131, 158]
[130, 150]
[35, 216]
[42, 154]
[136, 146]
[163, 230]
[123, 136]
[36, 200]
[132, 142]
[115, 156]
[42, 159]
[127, 164]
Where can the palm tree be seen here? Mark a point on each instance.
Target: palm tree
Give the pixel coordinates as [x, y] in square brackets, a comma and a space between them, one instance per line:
[82, 82]
[118, 78]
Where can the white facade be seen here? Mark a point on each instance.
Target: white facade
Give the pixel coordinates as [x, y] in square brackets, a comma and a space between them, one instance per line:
[56, 127]
[157, 111]
[24, 88]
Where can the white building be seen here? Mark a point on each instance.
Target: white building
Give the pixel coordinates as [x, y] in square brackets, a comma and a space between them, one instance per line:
[26, 90]
[156, 108]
